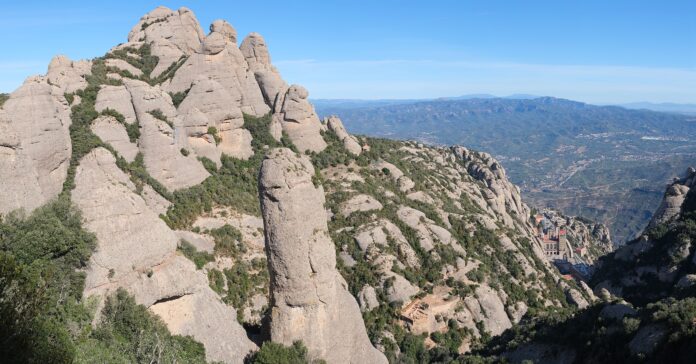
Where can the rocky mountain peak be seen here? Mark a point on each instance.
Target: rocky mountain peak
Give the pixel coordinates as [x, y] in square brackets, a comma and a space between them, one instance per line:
[214, 192]
[163, 25]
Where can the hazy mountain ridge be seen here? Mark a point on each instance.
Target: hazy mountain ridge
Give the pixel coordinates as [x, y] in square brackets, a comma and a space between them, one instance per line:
[581, 159]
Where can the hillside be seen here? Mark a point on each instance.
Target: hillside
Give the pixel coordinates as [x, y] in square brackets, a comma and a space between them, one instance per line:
[175, 200]
[647, 310]
[607, 163]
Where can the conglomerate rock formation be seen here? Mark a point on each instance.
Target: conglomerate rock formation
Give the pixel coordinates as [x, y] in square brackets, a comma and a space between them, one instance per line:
[159, 142]
[310, 300]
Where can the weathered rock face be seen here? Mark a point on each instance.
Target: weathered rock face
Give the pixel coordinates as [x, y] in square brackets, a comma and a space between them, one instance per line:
[309, 298]
[137, 251]
[349, 142]
[161, 153]
[34, 145]
[673, 199]
[116, 98]
[208, 104]
[299, 121]
[110, 131]
[179, 27]
[256, 54]
[667, 258]
[69, 76]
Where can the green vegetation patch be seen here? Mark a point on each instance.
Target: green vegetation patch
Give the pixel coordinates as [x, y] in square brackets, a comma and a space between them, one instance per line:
[190, 251]
[274, 353]
[3, 98]
[233, 184]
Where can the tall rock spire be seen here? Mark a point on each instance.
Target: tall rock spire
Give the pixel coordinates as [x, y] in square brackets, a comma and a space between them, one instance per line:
[309, 298]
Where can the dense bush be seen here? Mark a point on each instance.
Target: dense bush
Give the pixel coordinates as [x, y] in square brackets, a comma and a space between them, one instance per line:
[273, 353]
[3, 98]
[178, 97]
[233, 184]
[129, 333]
[199, 258]
[43, 318]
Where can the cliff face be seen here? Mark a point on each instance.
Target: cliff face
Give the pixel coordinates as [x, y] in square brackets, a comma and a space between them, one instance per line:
[309, 298]
[159, 144]
[661, 262]
[647, 307]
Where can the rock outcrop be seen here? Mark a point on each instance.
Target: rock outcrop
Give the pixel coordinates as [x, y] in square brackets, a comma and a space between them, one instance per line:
[309, 298]
[298, 119]
[674, 197]
[137, 251]
[161, 153]
[256, 54]
[655, 264]
[350, 142]
[35, 143]
[68, 75]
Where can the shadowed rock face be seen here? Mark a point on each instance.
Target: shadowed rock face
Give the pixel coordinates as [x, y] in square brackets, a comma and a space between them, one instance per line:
[310, 299]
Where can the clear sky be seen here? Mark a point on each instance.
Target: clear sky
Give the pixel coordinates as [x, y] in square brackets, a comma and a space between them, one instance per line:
[606, 51]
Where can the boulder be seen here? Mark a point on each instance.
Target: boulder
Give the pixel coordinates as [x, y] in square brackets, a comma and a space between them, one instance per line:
[617, 311]
[309, 298]
[360, 202]
[368, 298]
[225, 29]
[351, 144]
[179, 27]
[647, 339]
[428, 232]
[575, 297]
[161, 152]
[492, 310]
[230, 70]
[379, 233]
[214, 43]
[299, 121]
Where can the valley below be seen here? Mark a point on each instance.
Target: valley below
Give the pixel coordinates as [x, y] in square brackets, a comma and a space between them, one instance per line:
[604, 163]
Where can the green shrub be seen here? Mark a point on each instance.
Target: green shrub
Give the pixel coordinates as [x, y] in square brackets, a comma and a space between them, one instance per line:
[178, 97]
[40, 285]
[214, 132]
[217, 280]
[199, 258]
[228, 241]
[129, 333]
[233, 184]
[274, 353]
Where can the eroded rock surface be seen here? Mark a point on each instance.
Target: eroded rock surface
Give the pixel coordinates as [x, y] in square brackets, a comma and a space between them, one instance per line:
[137, 251]
[309, 298]
[35, 145]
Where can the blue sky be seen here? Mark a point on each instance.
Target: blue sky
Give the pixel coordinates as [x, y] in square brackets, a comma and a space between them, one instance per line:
[593, 51]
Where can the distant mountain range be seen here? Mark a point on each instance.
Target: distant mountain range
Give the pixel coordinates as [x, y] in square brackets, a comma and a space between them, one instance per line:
[670, 107]
[688, 109]
[607, 163]
[359, 103]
